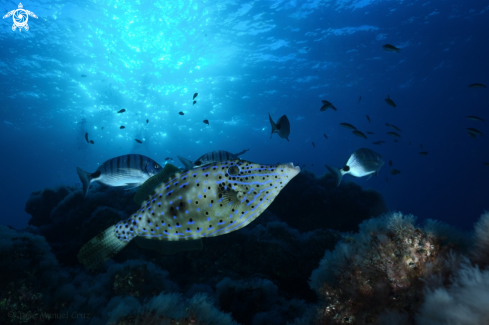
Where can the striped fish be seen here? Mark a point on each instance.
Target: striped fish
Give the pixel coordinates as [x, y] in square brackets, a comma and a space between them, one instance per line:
[207, 201]
[282, 127]
[214, 156]
[127, 170]
[361, 163]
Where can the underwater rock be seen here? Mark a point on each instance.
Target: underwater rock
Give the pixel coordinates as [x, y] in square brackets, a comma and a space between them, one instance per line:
[311, 202]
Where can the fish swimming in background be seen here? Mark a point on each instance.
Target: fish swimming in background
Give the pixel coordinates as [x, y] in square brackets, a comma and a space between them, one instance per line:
[396, 141]
[359, 99]
[391, 48]
[395, 172]
[181, 113]
[361, 163]
[147, 121]
[390, 163]
[474, 131]
[92, 142]
[477, 86]
[325, 136]
[168, 158]
[348, 126]
[83, 76]
[206, 122]
[393, 126]
[369, 132]
[195, 95]
[390, 102]
[378, 142]
[282, 128]
[424, 153]
[127, 170]
[313, 144]
[121, 111]
[195, 102]
[368, 118]
[122, 127]
[138, 141]
[359, 134]
[214, 156]
[421, 146]
[327, 105]
[102, 127]
[86, 137]
[393, 134]
[475, 118]
[208, 201]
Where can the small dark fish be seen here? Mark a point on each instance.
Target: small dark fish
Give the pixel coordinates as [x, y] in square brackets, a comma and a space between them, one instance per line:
[395, 140]
[92, 142]
[147, 121]
[395, 171]
[168, 158]
[138, 141]
[378, 142]
[206, 122]
[368, 118]
[393, 134]
[84, 76]
[424, 153]
[370, 132]
[359, 134]
[122, 127]
[477, 86]
[181, 113]
[195, 102]
[325, 136]
[359, 99]
[327, 105]
[282, 127]
[390, 102]
[474, 131]
[195, 95]
[475, 118]
[86, 137]
[121, 111]
[390, 163]
[102, 127]
[409, 143]
[421, 146]
[393, 126]
[472, 135]
[348, 126]
[391, 48]
[312, 145]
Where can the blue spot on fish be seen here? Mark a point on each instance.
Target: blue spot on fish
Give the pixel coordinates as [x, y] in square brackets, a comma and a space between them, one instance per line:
[200, 196]
[191, 223]
[150, 223]
[186, 211]
[208, 219]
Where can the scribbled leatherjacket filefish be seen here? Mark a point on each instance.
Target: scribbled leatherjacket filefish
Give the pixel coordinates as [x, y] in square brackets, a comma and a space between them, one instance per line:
[127, 170]
[214, 156]
[208, 201]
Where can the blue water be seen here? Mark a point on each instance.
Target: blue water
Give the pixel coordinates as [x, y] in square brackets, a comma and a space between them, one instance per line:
[247, 59]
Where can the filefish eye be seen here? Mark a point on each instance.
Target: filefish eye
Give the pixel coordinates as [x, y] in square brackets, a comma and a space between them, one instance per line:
[157, 166]
[234, 170]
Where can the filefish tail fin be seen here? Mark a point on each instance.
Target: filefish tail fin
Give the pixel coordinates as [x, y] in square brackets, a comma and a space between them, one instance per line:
[100, 248]
[85, 179]
[337, 174]
[187, 163]
[274, 126]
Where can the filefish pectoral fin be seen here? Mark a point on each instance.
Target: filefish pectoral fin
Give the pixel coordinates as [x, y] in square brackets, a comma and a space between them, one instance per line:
[100, 248]
[169, 247]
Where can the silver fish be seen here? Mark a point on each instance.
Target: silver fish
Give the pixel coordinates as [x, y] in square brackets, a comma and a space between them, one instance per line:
[282, 127]
[127, 170]
[208, 201]
[214, 156]
[361, 163]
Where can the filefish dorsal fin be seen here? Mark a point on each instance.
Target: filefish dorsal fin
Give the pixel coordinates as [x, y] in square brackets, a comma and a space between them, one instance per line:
[151, 183]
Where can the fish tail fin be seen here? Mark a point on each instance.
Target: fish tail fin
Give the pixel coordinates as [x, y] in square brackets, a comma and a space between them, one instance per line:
[337, 174]
[274, 126]
[85, 179]
[187, 163]
[100, 248]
